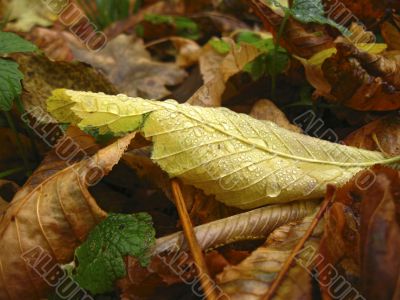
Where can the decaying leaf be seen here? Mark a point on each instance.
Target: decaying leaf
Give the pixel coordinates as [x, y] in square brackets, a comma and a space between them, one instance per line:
[55, 215]
[265, 109]
[42, 75]
[127, 64]
[244, 162]
[217, 75]
[28, 13]
[391, 34]
[381, 135]
[313, 67]
[255, 224]
[362, 80]
[52, 42]
[252, 278]
[303, 40]
[362, 236]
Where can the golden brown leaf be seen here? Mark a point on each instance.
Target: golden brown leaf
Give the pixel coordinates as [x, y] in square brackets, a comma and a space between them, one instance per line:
[381, 135]
[362, 80]
[265, 109]
[391, 35]
[127, 64]
[362, 236]
[211, 92]
[252, 278]
[56, 215]
[42, 76]
[52, 42]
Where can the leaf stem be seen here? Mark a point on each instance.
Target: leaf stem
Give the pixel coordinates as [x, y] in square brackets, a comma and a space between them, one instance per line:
[207, 284]
[21, 149]
[276, 49]
[11, 172]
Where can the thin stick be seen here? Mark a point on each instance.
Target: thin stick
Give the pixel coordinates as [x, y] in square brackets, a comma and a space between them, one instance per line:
[277, 282]
[207, 284]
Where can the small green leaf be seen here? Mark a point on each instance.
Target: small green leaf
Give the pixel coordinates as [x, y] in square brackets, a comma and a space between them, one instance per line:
[257, 68]
[248, 37]
[185, 27]
[281, 58]
[10, 83]
[310, 11]
[264, 63]
[100, 258]
[220, 46]
[10, 43]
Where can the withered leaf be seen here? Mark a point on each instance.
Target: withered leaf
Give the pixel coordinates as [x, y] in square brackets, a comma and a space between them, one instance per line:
[42, 76]
[56, 216]
[303, 40]
[391, 34]
[382, 135]
[217, 75]
[252, 278]
[265, 109]
[362, 80]
[362, 236]
[127, 64]
[52, 42]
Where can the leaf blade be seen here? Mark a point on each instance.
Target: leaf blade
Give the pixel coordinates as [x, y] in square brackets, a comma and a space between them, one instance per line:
[245, 162]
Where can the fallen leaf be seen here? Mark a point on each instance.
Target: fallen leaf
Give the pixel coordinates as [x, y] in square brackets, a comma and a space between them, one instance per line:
[362, 235]
[255, 224]
[252, 278]
[28, 13]
[315, 74]
[362, 80]
[55, 217]
[265, 109]
[42, 75]
[391, 35]
[127, 64]
[52, 42]
[303, 40]
[244, 162]
[211, 92]
[381, 135]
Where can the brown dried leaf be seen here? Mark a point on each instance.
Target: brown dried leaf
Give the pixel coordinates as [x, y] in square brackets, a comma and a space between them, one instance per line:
[362, 236]
[391, 35]
[56, 215]
[211, 92]
[127, 64]
[362, 80]
[52, 42]
[252, 278]
[380, 135]
[265, 109]
[42, 76]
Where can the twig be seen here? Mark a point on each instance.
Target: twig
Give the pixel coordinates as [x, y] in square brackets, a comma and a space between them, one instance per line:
[282, 273]
[205, 279]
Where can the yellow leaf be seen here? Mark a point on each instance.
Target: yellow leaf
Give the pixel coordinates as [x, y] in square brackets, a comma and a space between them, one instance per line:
[244, 162]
